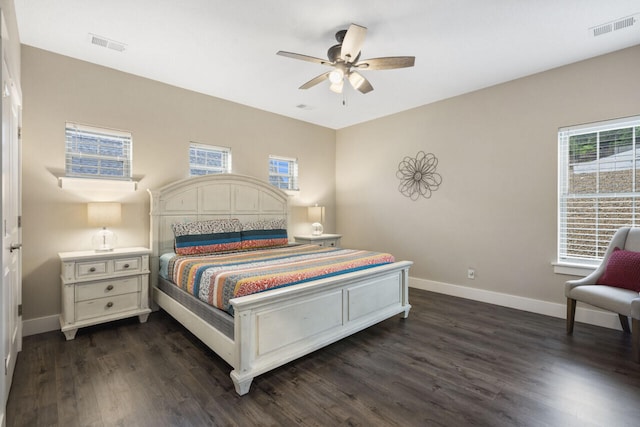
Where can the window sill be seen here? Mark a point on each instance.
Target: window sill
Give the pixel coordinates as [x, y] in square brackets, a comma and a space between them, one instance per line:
[573, 269]
[87, 184]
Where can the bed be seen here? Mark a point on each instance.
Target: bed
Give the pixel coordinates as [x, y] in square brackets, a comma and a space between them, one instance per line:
[270, 328]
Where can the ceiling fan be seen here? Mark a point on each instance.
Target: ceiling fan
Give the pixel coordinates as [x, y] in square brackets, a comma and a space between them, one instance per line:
[344, 57]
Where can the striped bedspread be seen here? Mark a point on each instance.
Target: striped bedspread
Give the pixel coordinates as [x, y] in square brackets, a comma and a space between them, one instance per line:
[215, 279]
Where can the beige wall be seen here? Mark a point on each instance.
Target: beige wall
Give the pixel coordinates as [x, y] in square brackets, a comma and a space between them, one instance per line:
[495, 210]
[163, 119]
[497, 149]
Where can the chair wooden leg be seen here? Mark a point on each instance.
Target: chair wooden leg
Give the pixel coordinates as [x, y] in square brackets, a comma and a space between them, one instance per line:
[635, 339]
[624, 322]
[571, 314]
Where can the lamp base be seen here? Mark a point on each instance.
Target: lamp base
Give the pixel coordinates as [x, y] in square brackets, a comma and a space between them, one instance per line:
[316, 229]
[104, 240]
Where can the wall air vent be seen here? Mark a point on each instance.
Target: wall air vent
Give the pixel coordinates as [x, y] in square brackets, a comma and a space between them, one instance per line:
[105, 42]
[616, 25]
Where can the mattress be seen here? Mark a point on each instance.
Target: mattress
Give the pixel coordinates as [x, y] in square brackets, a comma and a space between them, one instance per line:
[218, 278]
[221, 320]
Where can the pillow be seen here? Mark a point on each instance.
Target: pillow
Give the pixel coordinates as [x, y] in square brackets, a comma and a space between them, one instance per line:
[622, 270]
[205, 237]
[264, 233]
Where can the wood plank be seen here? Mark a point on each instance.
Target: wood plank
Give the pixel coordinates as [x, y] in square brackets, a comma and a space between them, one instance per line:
[491, 366]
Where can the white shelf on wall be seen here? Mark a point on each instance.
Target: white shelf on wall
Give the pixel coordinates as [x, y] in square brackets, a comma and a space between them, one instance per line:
[86, 184]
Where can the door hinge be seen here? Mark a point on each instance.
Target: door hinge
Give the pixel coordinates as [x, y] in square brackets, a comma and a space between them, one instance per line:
[19, 310]
[19, 132]
[19, 221]
[6, 368]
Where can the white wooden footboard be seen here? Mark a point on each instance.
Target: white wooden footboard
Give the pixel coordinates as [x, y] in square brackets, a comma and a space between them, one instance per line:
[275, 327]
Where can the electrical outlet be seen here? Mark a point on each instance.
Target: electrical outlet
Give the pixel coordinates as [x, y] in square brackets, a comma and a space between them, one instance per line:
[471, 273]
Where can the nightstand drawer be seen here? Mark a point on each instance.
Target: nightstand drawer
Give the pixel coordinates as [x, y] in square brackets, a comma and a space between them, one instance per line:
[129, 264]
[106, 288]
[88, 269]
[324, 240]
[328, 243]
[105, 306]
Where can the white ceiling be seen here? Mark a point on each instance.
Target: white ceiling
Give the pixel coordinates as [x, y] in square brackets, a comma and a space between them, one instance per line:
[227, 48]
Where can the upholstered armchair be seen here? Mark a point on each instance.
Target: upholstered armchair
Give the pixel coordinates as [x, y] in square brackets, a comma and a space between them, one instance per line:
[613, 286]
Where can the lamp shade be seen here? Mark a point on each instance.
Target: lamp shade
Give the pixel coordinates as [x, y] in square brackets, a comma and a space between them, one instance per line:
[316, 216]
[316, 213]
[103, 214]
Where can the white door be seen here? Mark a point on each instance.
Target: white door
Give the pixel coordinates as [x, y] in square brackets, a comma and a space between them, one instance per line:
[11, 230]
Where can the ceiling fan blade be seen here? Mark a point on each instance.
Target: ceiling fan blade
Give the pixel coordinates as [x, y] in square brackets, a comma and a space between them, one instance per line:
[358, 82]
[337, 87]
[387, 63]
[314, 81]
[352, 42]
[303, 57]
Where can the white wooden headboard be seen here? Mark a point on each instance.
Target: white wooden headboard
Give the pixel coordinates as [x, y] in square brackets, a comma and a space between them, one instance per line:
[210, 197]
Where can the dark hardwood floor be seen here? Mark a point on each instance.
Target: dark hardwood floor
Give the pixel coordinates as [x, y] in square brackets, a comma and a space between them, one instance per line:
[453, 362]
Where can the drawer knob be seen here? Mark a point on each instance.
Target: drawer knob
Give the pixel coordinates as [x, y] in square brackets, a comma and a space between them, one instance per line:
[92, 270]
[109, 304]
[126, 266]
[110, 287]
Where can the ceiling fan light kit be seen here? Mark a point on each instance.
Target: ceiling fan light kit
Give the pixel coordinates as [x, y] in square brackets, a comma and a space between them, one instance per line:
[336, 76]
[344, 57]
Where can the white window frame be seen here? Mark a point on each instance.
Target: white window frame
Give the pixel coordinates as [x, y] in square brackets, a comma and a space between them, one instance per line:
[224, 152]
[587, 220]
[284, 181]
[102, 137]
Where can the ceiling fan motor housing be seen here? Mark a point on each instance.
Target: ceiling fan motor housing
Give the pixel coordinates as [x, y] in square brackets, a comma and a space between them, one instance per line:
[334, 52]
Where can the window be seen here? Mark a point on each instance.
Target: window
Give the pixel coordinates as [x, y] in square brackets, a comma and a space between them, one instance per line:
[283, 172]
[208, 159]
[97, 153]
[598, 186]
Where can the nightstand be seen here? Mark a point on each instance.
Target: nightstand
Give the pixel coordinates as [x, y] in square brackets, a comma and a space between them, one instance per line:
[322, 240]
[99, 287]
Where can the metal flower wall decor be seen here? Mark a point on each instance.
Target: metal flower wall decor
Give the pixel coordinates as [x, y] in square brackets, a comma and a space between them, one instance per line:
[418, 175]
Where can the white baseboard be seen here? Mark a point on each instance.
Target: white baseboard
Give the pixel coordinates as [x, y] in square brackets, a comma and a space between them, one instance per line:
[40, 325]
[583, 314]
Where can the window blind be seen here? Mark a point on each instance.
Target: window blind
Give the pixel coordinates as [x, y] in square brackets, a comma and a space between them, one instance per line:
[283, 172]
[97, 153]
[208, 159]
[598, 186]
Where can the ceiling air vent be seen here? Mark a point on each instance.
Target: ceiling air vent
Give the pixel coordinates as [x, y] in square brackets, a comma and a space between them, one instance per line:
[105, 42]
[602, 29]
[616, 25]
[624, 23]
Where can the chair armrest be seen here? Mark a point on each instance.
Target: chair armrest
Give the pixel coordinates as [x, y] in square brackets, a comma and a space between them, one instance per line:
[588, 280]
[591, 279]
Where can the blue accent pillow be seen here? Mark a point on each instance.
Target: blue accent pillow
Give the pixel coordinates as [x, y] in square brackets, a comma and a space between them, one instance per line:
[264, 233]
